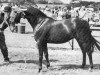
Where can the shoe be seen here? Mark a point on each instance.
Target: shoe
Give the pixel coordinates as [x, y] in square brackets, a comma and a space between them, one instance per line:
[6, 60]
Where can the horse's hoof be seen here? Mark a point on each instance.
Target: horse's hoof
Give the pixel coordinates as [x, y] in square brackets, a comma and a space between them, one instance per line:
[48, 66]
[82, 66]
[39, 70]
[6, 61]
[90, 69]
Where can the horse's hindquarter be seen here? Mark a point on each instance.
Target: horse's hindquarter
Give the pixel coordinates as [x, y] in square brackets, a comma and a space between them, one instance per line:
[60, 32]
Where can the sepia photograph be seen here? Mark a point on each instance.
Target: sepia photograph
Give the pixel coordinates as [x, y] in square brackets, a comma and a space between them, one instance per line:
[49, 37]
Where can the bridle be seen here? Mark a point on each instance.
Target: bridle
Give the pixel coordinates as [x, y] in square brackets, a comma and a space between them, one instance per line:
[6, 20]
[7, 23]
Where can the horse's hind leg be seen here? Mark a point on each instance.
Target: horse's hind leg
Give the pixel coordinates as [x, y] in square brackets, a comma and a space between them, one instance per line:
[87, 49]
[89, 53]
[46, 55]
[84, 59]
[90, 59]
[82, 46]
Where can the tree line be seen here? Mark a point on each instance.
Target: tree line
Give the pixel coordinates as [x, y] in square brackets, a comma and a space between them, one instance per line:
[81, 3]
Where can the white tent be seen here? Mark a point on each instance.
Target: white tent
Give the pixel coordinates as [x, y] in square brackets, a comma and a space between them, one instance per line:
[68, 1]
[92, 0]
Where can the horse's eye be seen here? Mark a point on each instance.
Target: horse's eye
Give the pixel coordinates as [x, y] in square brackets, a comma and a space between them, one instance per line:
[15, 11]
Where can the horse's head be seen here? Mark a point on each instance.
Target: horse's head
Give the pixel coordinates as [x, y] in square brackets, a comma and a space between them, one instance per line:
[15, 17]
[33, 15]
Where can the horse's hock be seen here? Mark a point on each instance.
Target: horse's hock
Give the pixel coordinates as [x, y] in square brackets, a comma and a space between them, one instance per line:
[20, 28]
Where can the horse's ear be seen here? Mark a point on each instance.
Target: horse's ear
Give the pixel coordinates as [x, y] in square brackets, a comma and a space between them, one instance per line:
[23, 14]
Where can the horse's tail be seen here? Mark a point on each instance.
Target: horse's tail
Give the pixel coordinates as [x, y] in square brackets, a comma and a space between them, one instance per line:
[96, 43]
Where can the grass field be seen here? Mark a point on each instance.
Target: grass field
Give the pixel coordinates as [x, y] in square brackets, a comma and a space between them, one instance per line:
[64, 61]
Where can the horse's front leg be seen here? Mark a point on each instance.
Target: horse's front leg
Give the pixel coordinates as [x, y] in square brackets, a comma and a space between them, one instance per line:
[46, 55]
[40, 48]
[89, 49]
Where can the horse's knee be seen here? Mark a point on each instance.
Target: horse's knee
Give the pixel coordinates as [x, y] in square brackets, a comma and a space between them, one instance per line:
[89, 53]
[40, 54]
[40, 49]
[39, 44]
[45, 53]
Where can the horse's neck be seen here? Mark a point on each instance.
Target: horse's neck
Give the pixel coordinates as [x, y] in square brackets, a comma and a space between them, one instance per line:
[35, 22]
[70, 19]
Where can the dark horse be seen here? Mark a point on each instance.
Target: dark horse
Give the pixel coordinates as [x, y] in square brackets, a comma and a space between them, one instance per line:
[48, 30]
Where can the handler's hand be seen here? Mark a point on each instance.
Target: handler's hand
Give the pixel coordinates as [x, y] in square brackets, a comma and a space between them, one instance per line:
[1, 30]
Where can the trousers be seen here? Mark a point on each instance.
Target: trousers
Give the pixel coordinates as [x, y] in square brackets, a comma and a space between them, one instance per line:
[3, 46]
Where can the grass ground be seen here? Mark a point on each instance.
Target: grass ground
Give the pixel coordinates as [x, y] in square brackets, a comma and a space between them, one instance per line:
[64, 61]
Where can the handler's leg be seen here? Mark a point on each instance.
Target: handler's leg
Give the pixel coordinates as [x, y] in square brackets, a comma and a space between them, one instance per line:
[3, 47]
[5, 53]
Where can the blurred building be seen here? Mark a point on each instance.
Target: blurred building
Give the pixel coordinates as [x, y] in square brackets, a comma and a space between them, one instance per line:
[97, 6]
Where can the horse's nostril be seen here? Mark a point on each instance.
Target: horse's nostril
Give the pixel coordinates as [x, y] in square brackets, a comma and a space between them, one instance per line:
[9, 21]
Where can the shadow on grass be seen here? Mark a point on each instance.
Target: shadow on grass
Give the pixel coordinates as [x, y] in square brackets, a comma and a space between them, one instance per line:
[56, 67]
[33, 61]
[74, 66]
[27, 61]
[5, 64]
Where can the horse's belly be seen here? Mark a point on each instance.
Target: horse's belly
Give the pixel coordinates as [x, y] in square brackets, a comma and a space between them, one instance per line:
[61, 36]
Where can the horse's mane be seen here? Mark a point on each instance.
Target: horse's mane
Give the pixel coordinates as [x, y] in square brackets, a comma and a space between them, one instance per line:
[35, 12]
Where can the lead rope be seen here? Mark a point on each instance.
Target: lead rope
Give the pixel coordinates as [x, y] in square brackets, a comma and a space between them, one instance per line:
[7, 24]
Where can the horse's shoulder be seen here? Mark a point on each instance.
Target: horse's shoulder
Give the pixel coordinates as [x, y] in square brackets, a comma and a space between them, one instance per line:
[56, 22]
[67, 21]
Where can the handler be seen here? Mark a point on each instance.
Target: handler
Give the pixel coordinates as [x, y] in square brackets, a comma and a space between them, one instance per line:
[3, 26]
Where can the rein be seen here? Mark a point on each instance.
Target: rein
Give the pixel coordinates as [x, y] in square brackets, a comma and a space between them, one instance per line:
[6, 23]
